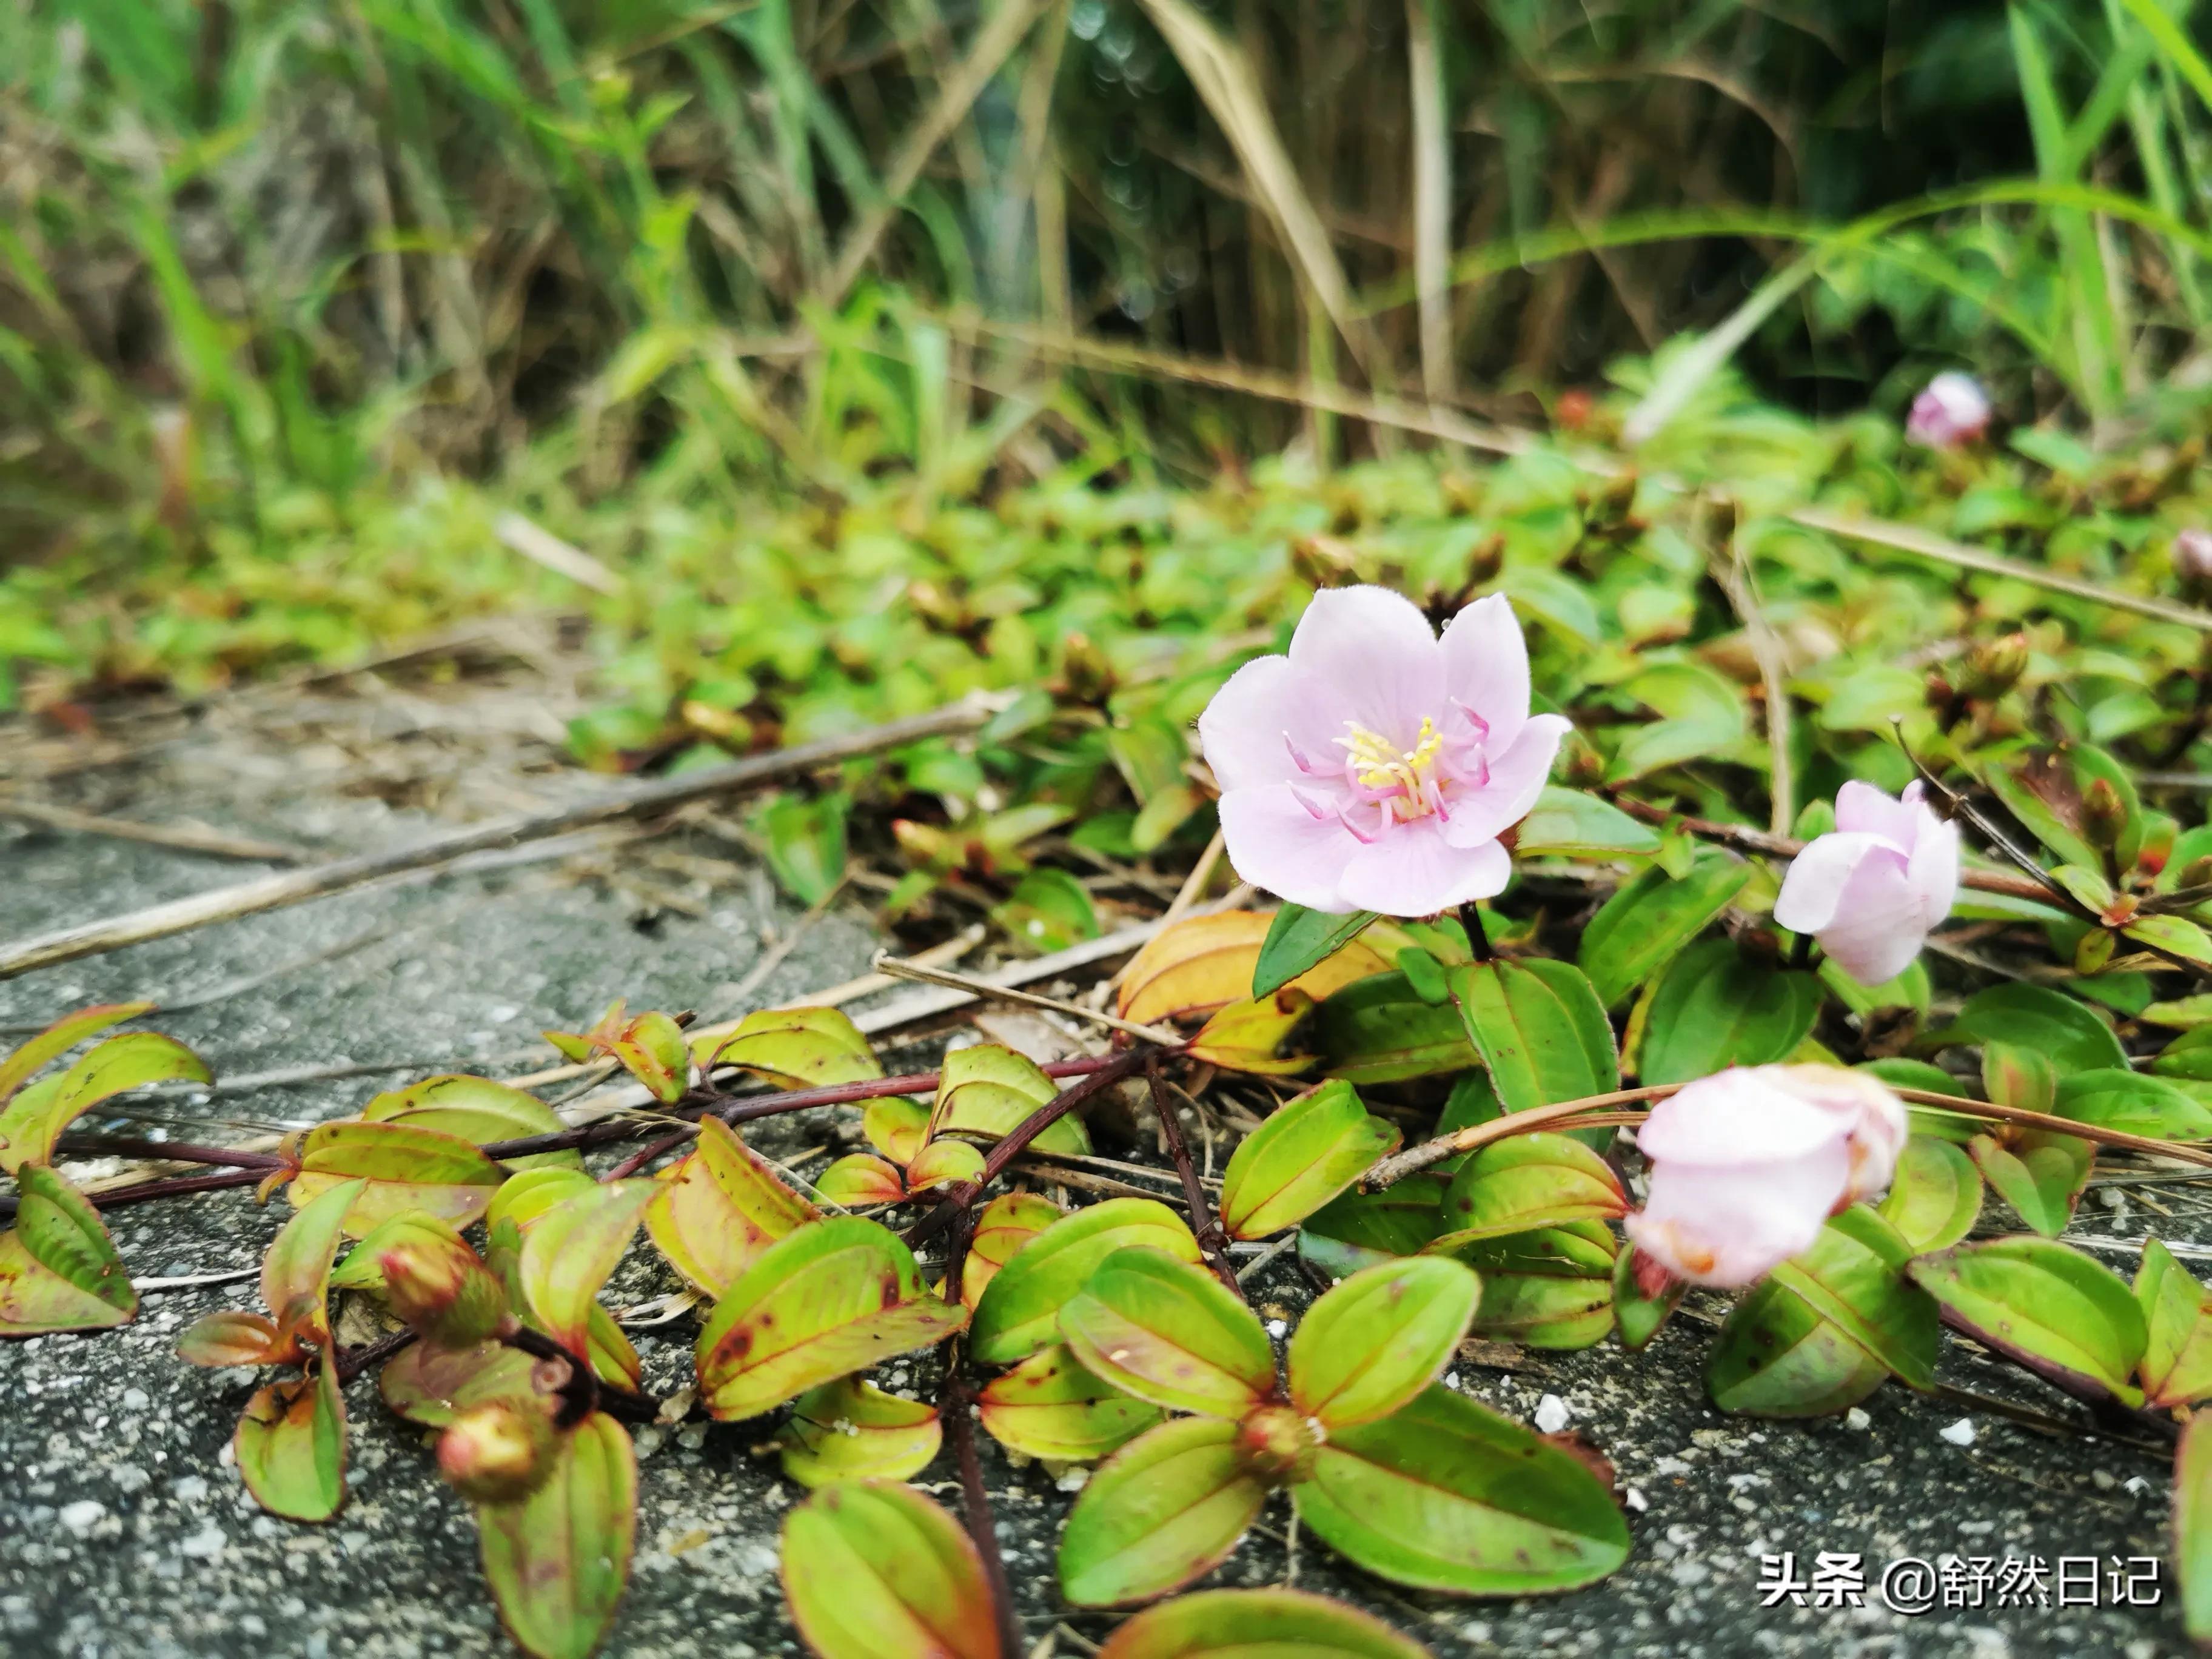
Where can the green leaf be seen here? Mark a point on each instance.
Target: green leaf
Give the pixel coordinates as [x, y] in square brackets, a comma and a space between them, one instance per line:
[1551, 1288]
[872, 1571]
[2177, 1361]
[1301, 1157]
[2041, 1175]
[797, 1049]
[1018, 1312]
[1528, 1181]
[1377, 1031]
[988, 1090]
[1374, 1341]
[831, 1299]
[406, 1169]
[1775, 1357]
[1257, 1624]
[2045, 793]
[2118, 1098]
[2035, 1017]
[1299, 939]
[58, 1038]
[1008, 1221]
[291, 1445]
[59, 1270]
[1447, 1495]
[479, 1111]
[557, 1560]
[1170, 1333]
[715, 1212]
[851, 1429]
[1715, 1008]
[1047, 910]
[1702, 715]
[523, 1197]
[34, 1120]
[571, 1251]
[1910, 989]
[1573, 823]
[228, 1337]
[2065, 1317]
[1540, 1029]
[1050, 1406]
[1854, 1277]
[295, 1274]
[861, 1181]
[432, 1386]
[1652, 917]
[1359, 1230]
[1163, 1511]
[896, 1126]
[1637, 1317]
[2018, 1077]
[2192, 1524]
[803, 841]
[1935, 1196]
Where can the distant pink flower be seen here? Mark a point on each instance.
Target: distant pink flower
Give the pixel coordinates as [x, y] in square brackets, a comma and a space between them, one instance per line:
[1747, 1164]
[1952, 410]
[1871, 890]
[2192, 555]
[1375, 767]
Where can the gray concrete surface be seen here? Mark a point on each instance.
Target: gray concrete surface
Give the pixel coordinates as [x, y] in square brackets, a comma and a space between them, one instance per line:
[124, 1532]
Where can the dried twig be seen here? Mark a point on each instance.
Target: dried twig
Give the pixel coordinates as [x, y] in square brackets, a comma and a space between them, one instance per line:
[899, 968]
[182, 837]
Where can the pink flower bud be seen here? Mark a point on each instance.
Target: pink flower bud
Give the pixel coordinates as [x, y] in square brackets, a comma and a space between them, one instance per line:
[1375, 767]
[1950, 411]
[438, 1285]
[1871, 890]
[1748, 1165]
[497, 1452]
[2192, 555]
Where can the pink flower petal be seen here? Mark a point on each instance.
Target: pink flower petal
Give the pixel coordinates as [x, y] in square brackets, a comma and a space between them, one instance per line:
[1275, 842]
[1817, 878]
[1248, 730]
[1729, 1227]
[1373, 651]
[1486, 667]
[1933, 871]
[1863, 809]
[1410, 869]
[1517, 778]
[1740, 1116]
[1877, 928]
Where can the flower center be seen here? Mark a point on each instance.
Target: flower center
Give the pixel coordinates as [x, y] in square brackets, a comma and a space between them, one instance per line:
[1404, 778]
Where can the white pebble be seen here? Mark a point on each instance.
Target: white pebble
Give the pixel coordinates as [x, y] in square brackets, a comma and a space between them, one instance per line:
[1637, 1501]
[1073, 1480]
[1961, 1433]
[1552, 1414]
[81, 1516]
[1276, 1329]
[1855, 1419]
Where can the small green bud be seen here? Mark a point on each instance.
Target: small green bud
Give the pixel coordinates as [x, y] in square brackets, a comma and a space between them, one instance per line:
[498, 1452]
[1995, 666]
[1089, 675]
[2104, 815]
[1277, 1445]
[438, 1285]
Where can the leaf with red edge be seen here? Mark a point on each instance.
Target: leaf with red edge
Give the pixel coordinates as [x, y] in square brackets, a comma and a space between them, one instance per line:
[558, 1559]
[874, 1571]
[944, 1161]
[229, 1336]
[1170, 1333]
[833, 1298]
[58, 1038]
[2070, 1320]
[718, 1209]
[653, 1050]
[851, 1429]
[797, 1048]
[1528, 1181]
[1244, 1624]
[896, 1126]
[406, 1169]
[2176, 1362]
[290, 1446]
[1165, 1509]
[1049, 1406]
[1305, 1154]
[34, 1120]
[1018, 1312]
[1249, 1036]
[479, 1111]
[59, 1269]
[1007, 1223]
[2192, 1524]
[295, 1274]
[571, 1251]
[988, 1090]
[1378, 1339]
[861, 1181]
[433, 1386]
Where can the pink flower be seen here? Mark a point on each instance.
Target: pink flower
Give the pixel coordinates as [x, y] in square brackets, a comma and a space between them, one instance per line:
[1747, 1164]
[2192, 555]
[1951, 410]
[1375, 767]
[1870, 891]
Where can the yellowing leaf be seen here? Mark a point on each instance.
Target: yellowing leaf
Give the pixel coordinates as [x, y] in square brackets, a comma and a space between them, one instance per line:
[1007, 1223]
[988, 1090]
[568, 1255]
[1245, 1037]
[720, 1207]
[59, 1271]
[851, 1429]
[799, 1047]
[290, 1446]
[58, 1038]
[1049, 1406]
[557, 1560]
[34, 1120]
[478, 1110]
[1203, 964]
[406, 1169]
[874, 1571]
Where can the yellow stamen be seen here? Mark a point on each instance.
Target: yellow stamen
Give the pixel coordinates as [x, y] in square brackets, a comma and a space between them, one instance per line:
[1378, 765]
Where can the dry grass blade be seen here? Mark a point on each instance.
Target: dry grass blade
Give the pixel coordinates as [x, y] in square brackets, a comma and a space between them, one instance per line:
[1431, 198]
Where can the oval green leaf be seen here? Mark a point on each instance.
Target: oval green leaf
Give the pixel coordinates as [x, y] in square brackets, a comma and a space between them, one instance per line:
[406, 1169]
[1008, 1221]
[1531, 1181]
[2176, 1368]
[874, 1571]
[1376, 1029]
[432, 1386]
[58, 1038]
[1374, 1342]
[851, 1429]
[291, 1445]
[1776, 1358]
[1649, 917]
[1298, 940]
[2068, 1319]
[1050, 1406]
[479, 1111]
[1018, 1312]
[557, 1560]
[1170, 1333]
[718, 1207]
[988, 1090]
[59, 1269]
[799, 1047]
[1542, 1033]
[1165, 1509]
[1257, 1624]
[1854, 1277]
[33, 1120]
[2036, 1017]
[571, 1251]
[1715, 1008]
[1935, 1195]
[1359, 1230]
[1302, 1156]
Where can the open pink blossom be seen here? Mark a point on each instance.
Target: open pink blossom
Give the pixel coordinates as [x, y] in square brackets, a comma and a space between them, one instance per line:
[1951, 410]
[1747, 1164]
[1375, 767]
[1870, 889]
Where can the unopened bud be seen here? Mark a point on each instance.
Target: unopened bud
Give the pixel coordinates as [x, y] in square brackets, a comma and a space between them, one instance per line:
[1994, 668]
[435, 1283]
[1089, 675]
[497, 1453]
[2197, 873]
[1277, 1445]
[1323, 561]
[2192, 558]
[1952, 412]
[2104, 815]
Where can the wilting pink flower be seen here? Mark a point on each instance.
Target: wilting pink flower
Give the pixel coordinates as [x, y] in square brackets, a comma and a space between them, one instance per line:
[1375, 767]
[1951, 410]
[2192, 555]
[1870, 891]
[1748, 1164]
